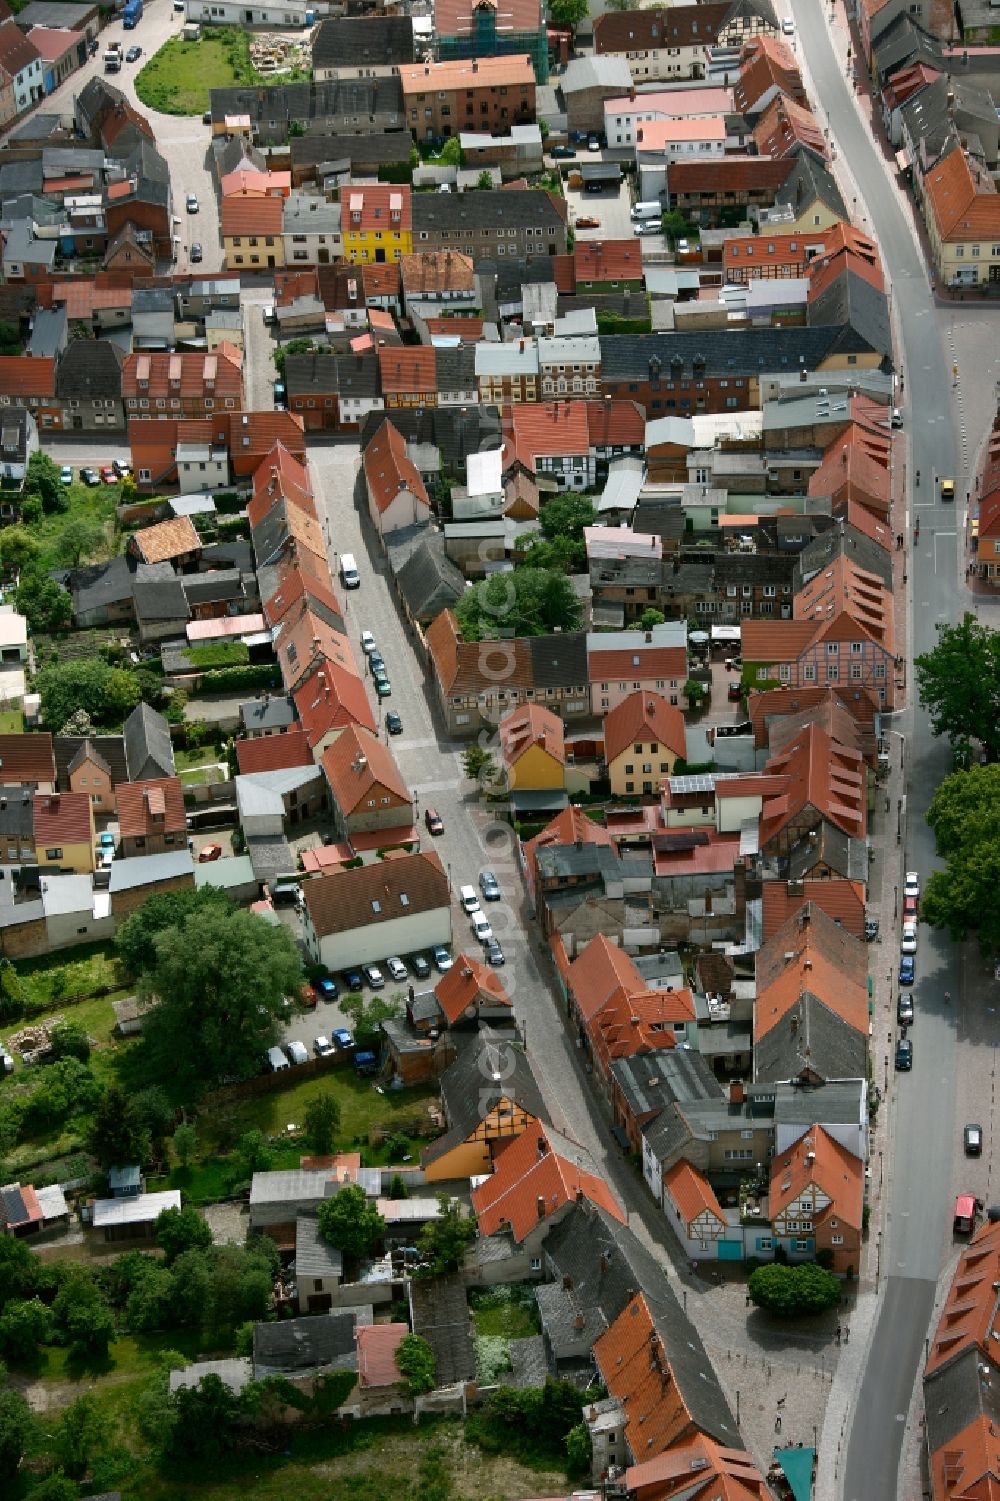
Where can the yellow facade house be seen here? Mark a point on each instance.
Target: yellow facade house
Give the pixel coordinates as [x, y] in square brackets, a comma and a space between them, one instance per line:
[644, 738]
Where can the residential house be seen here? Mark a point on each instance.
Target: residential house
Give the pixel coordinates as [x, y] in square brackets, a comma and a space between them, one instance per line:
[89, 385]
[269, 801]
[471, 993]
[397, 496]
[962, 214]
[381, 1385]
[18, 441]
[821, 781]
[816, 1201]
[63, 829]
[30, 381]
[365, 914]
[552, 441]
[624, 118]
[485, 93]
[532, 749]
[270, 714]
[273, 752]
[133, 882]
[644, 737]
[329, 700]
[352, 106]
[517, 222]
[149, 753]
[93, 765]
[767, 70]
[518, 152]
[624, 662]
[801, 653]
[28, 761]
[251, 229]
[319, 1267]
[369, 46]
[25, 1210]
[176, 542]
[17, 828]
[507, 372]
[587, 83]
[188, 453]
[676, 42]
[438, 281]
[489, 1098]
[188, 385]
[367, 790]
[376, 222]
[23, 64]
[469, 28]
[811, 1014]
[311, 230]
[151, 816]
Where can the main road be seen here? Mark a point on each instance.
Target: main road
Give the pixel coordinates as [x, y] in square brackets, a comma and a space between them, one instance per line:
[917, 1233]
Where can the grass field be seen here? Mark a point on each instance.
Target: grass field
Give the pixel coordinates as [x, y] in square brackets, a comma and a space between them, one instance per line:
[95, 505]
[177, 79]
[47, 981]
[506, 1314]
[11, 722]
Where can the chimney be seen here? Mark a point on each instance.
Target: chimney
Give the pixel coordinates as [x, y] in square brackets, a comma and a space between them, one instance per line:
[579, 1322]
[736, 1093]
[649, 638]
[540, 1205]
[542, 1146]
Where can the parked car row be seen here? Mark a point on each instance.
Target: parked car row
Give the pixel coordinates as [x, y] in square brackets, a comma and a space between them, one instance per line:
[108, 474]
[481, 928]
[327, 988]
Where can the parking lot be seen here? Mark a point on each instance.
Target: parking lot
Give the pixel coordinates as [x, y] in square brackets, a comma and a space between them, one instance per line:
[612, 209]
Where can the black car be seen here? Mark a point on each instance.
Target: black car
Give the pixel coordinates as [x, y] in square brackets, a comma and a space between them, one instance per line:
[489, 886]
[904, 1055]
[393, 723]
[904, 1008]
[353, 980]
[90, 477]
[376, 665]
[196, 251]
[871, 932]
[563, 153]
[494, 953]
[972, 1140]
[420, 965]
[133, 54]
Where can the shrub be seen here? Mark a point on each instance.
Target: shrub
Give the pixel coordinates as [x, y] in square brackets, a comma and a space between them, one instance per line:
[790, 1291]
[236, 679]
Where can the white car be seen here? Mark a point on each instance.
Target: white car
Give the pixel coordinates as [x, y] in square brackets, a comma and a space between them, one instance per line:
[374, 976]
[396, 968]
[470, 901]
[481, 928]
[911, 884]
[368, 643]
[322, 1047]
[908, 942]
[788, 26]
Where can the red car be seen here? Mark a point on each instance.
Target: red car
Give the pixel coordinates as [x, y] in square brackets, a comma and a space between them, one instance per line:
[909, 908]
[588, 222]
[434, 821]
[208, 853]
[108, 475]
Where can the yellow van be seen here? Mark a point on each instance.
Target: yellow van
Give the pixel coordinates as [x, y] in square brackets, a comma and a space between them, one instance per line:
[947, 489]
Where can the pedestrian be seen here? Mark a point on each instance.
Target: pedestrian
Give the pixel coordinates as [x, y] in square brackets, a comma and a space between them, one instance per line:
[777, 1423]
[838, 1334]
[847, 1335]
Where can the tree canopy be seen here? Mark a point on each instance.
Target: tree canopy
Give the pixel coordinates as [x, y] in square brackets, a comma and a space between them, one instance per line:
[417, 1364]
[789, 1291]
[136, 938]
[965, 817]
[180, 1230]
[349, 1221]
[45, 604]
[567, 14]
[109, 694]
[442, 1243]
[221, 977]
[118, 1134]
[322, 1122]
[525, 602]
[959, 682]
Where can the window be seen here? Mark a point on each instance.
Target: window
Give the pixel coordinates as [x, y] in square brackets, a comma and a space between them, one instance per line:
[836, 1240]
[536, 1263]
[53, 854]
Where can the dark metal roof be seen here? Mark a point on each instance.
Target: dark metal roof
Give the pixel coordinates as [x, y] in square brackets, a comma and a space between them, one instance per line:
[512, 209]
[811, 1041]
[363, 41]
[90, 368]
[725, 352]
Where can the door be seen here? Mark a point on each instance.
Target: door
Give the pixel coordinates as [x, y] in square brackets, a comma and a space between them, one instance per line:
[730, 1250]
[320, 1302]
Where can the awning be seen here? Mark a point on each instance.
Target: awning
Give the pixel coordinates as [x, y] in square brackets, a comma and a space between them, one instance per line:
[798, 1467]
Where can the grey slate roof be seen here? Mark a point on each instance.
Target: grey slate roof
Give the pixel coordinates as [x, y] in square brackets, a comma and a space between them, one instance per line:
[513, 209]
[101, 584]
[811, 1040]
[456, 431]
[20, 177]
[803, 1104]
[221, 584]
[160, 599]
[274, 711]
[349, 98]
[230, 155]
[904, 42]
[456, 369]
[571, 862]
[17, 812]
[429, 581]
[439, 1311]
[559, 661]
[314, 1256]
[306, 374]
[810, 178]
[859, 311]
[385, 148]
[356, 41]
[955, 1396]
[846, 856]
[646, 1082]
[90, 368]
[528, 1363]
[727, 353]
[321, 1342]
[489, 1069]
[849, 542]
[148, 748]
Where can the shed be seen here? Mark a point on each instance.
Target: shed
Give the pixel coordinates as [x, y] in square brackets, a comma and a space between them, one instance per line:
[125, 1182]
[134, 1218]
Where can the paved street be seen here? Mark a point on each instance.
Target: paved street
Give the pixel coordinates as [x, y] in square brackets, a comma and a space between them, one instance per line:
[182, 141]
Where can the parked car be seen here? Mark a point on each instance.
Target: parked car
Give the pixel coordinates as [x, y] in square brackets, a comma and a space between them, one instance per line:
[322, 1047]
[593, 143]
[734, 693]
[325, 989]
[588, 221]
[368, 643]
[871, 931]
[342, 1037]
[442, 959]
[904, 1008]
[650, 228]
[469, 900]
[972, 1140]
[563, 154]
[480, 927]
[434, 821]
[192, 203]
[206, 118]
[106, 840]
[907, 969]
[911, 884]
[383, 688]
[393, 723]
[133, 54]
[279, 393]
[904, 1055]
[375, 662]
[208, 853]
[353, 979]
[297, 1052]
[66, 475]
[420, 965]
[121, 468]
[494, 953]
[908, 940]
[196, 251]
[108, 475]
[489, 886]
[910, 905]
[396, 968]
[374, 976]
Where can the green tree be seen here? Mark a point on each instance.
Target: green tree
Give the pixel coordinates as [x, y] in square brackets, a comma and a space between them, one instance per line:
[651, 617]
[42, 479]
[24, 1325]
[322, 1122]
[524, 602]
[442, 1242]
[349, 1221]
[478, 763]
[417, 1364]
[82, 1434]
[185, 1143]
[959, 682]
[484, 181]
[252, 1154]
[180, 1230]
[70, 1040]
[55, 1487]
[675, 226]
[107, 694]
[965, 816]
[119, 1135]
[790, 1291]
[157, 1113]
[695, 691]
[17, 1427]
[561, 555]
[368, 1015]
[78, 539]
[136, 938]
[221, 977]
[46, 605]
[191, 1292]
[18, 548]
[206, 1419]
[11, 990]
[579, 1449]
[566, 516]
[451, 152]
[294, 346]
[82, 1317]
[18, 1270]
[567, 14]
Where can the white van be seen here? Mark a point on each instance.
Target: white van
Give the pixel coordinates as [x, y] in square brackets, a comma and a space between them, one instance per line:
[297, 1052]
[470, 901]
[647, 210]
[276, 1060]
[349, 575]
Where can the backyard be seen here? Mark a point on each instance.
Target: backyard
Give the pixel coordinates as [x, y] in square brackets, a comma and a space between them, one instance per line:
[177, 79]
[94, 506]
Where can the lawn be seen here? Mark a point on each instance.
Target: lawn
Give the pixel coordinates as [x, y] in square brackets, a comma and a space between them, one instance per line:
[49, 980]
[199, 775]
[94, 504]
[186, 760]
[506, 1312]
[177, 79]
[362, 1107]
[11, 722]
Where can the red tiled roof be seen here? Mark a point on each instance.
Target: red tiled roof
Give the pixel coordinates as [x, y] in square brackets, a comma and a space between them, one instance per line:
[16, 51]
[549, 429]
[358, 767]
[27, 374]
[431, 271]
[785, 125]
[82, 298]
[810, 953]
[656, 662]
[166, 540]
[63, 818]
[538, 1174]
[636, 1368]
[841, 900]
[51, 43]
[389, 470]
[608, 260]
[692, 1193]
[729, 174]
[650, 30]
[377, 1346]
[304, 641]
[820, 775]
[468, 981]
[965, 203]
[766, 62]
[618, 422]
[375, 202]
[251, 216]
[599, 972]
[380, 280]
[331, 699]
[568, 827]
[528, 725]
[408, 370]
[298, 589]
[697, 1470]
[152, 807]
[26, 758]
[818, 1159]
[845, 589]
[643, 716]
[273, 752]
[218, 375]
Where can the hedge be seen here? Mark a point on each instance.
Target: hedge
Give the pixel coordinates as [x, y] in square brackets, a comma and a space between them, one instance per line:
[259, 675]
